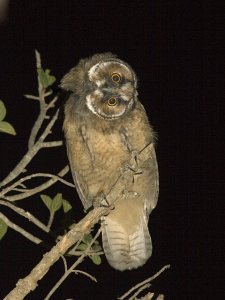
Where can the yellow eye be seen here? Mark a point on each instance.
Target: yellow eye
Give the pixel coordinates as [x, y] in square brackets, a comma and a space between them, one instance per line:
[112, 101]
[116, 77]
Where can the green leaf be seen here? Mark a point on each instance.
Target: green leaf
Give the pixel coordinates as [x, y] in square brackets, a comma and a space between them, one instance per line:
[96, 259]
[51, 78]
[66, 206]
[52, 204]
[87, 238]
[82, 247]
[45, 78]
[7, 128]
[47, 201]
[2, 110]
[56, 202]
[3, 228]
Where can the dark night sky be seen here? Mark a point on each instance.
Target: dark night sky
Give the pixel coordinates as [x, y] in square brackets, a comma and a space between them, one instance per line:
[174, 50]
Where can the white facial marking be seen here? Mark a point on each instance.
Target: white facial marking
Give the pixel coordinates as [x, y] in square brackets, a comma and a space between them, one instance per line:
[89, 103]
[115, 116]
[100, 82]
[117, 62]
[91, 74]
[98, 93]
[92, 71]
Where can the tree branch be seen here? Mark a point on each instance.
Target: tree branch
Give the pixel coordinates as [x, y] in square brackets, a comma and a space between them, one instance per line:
[22, 180]
[39, 188]
[29, 283]
[142, 285]
[25, 214]
[31, 152]
[34, 147]
[72, 268]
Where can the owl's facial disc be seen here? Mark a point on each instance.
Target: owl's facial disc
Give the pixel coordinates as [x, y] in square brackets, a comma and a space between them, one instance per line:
[114, 89]
[110, 107]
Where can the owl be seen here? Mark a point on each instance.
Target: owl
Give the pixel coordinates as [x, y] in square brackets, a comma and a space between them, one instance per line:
[105, 126]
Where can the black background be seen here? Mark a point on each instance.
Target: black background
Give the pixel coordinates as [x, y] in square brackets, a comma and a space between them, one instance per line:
[173, 47]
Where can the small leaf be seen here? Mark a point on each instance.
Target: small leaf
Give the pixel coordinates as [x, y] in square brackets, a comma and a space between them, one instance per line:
[42, 77]
[87, 238]
[82, 247]
[45, 78]
[66, 206]
[2, 110]
[7, 128]
[47, 201]
[3, 228]
[56, 202]
[96, 259]
[51, 78]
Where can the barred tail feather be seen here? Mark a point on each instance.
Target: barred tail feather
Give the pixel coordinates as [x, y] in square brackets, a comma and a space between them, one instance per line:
[126, 250]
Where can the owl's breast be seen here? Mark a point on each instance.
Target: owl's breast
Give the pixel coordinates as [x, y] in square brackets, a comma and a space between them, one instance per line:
[108, 150]
[106, 156]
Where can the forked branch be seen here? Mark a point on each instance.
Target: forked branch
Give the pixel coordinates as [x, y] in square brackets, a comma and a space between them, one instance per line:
[29, 283]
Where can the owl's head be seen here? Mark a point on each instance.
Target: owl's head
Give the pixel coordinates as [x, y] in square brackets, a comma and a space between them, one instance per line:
[106, 85]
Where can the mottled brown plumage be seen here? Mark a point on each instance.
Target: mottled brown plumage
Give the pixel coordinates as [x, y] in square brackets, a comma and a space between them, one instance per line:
[105, 125]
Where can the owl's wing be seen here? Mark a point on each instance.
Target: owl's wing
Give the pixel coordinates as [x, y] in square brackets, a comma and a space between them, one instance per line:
[80, 184]
[78, 155]
[153, 177]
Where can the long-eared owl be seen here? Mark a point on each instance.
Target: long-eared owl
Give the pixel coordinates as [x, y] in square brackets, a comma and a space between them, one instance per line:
[105, 124]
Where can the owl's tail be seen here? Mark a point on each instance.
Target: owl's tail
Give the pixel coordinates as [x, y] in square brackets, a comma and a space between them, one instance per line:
[126, 239]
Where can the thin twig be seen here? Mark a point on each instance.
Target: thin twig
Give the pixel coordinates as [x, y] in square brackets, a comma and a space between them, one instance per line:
[31, 152]
[39, 188]
[49, 93]
[38, 59]
[86, 274]
[51, 103]
[148, 296]
[21, 190]
[72, 268]
[142, 288]
[52, 144]
[48, 128]
[31, 97]
[17, 228]
[28, 177]
[25, 214]
[148, 280]
[64, 263]
[51, 218]
[42, 113]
